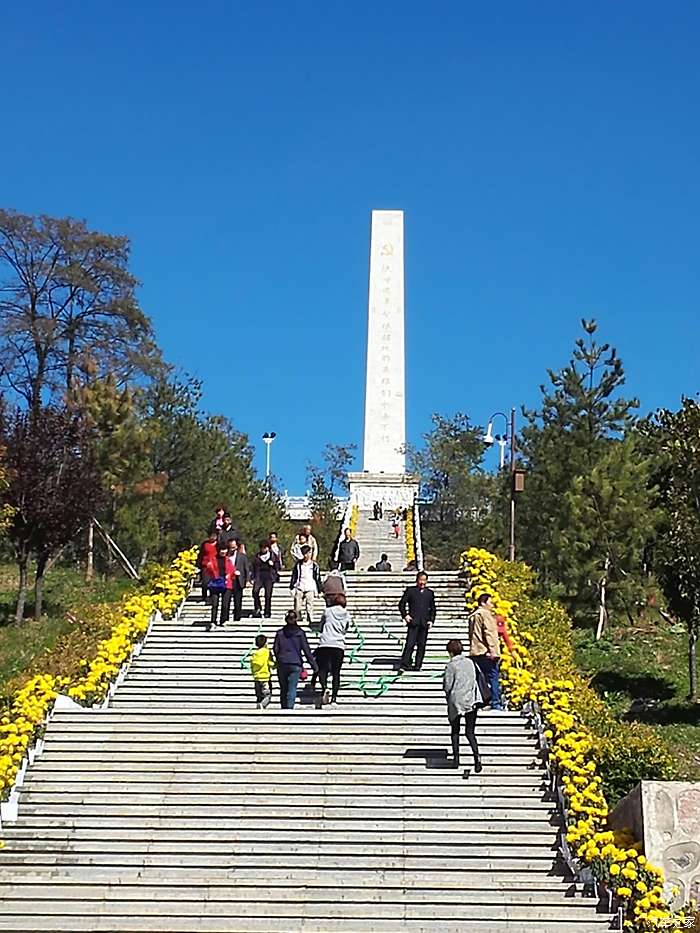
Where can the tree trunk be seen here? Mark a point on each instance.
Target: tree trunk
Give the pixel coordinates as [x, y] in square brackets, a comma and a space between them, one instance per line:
[22, 589]
[39, 585]
[603, 609]
[693, 661]
[90, 567]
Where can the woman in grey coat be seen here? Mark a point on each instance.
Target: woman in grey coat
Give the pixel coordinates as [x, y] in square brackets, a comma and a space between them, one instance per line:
[463, 699]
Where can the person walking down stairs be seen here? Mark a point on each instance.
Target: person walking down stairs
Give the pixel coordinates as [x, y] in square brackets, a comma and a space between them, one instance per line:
[417, 608]
[348, 551]
[207, 555]
[220, 574]
[463, 699]
[305, 584]
[265, 571]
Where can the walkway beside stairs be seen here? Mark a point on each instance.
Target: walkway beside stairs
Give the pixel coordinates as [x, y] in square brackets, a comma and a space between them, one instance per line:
[183, 808]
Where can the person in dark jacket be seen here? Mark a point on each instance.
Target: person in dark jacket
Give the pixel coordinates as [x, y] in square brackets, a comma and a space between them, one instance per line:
[290, 648]
[276, 549]
[241, 566]
[218, 569]
[207, 553]
[265, 570]
[227, 532]
[348, 551]
[417, 608]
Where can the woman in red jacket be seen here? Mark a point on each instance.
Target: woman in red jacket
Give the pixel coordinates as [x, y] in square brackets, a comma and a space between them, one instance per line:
[220, 572]
[207, 554]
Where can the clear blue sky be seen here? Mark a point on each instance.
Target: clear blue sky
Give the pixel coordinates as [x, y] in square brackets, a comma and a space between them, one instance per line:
[546, 155]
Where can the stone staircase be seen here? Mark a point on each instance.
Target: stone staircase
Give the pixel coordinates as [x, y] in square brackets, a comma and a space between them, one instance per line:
[376, 538]
[183, 808]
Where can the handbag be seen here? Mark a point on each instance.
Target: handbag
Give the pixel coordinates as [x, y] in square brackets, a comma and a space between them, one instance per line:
[217, 585]
[482, 686]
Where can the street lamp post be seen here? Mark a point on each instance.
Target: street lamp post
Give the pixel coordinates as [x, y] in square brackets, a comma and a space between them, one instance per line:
[268, 437]
[502, 441]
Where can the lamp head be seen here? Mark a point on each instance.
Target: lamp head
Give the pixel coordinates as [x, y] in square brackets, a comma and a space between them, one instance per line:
[488, 437]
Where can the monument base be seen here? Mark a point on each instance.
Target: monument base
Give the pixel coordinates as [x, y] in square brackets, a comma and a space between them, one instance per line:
[665, 816]
[393, 490]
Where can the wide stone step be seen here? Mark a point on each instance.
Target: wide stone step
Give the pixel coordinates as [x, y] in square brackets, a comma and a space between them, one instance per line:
[343, 723]
[192, 783]
[372, 744]
[332, 861]
[452, 881]
[171, 839]
[174, 807]
[324, 924]
[171, 896]
[280, 909]
[100, 924]
[134, 823]
[75, 761]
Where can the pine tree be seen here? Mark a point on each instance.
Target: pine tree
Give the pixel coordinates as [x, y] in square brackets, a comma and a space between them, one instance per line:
[674, 438]
[585, 516]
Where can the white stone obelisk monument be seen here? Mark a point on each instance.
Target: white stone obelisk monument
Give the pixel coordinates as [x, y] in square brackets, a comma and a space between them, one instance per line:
[384, 476]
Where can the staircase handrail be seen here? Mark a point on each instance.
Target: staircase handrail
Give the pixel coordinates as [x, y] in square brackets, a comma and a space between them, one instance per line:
[417, 536]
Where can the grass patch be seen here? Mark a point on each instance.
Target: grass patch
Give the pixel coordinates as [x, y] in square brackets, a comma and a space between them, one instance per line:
[641, 671]
[75, 614]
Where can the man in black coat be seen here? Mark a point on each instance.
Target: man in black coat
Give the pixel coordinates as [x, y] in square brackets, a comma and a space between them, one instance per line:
[417, 608]
[242, 578]
[348, 551]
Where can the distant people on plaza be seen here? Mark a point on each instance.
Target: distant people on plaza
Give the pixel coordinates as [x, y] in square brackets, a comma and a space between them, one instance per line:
[261, 664]
[242, 578]
[417, 608]
[396, 524]
[217, 522]
[484, 647]
[207, 553]
[290, 648]
[383, 565]
[220, 574]
[464, 698]
[305, 584]
[265, 569]
[330, 652]
[333, 585]
[404, 515]
[348, 551]
[227, 532]
[298, 543]
[276, 549]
